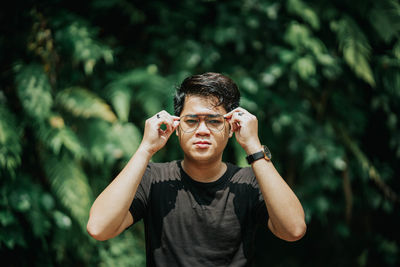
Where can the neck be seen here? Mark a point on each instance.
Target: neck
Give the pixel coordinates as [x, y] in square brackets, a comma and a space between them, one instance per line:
[204, 172]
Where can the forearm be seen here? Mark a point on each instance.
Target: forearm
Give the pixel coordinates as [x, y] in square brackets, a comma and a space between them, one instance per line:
[111, 207]
[285, 210]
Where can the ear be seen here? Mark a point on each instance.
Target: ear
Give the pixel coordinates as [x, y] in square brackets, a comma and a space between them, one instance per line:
[230, 131]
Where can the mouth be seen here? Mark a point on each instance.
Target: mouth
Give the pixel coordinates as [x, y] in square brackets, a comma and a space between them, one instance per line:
[202, 144]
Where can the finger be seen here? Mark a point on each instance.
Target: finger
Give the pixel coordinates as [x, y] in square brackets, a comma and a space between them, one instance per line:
[237, 110]
[163, 120]
[229, 114]
[236, 126]
[161, 114]
[238, 117]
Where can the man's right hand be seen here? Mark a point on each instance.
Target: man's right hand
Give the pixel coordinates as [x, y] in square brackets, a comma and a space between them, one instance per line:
[155, 138]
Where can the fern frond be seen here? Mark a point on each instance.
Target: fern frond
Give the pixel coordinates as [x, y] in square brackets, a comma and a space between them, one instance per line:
[304, 11]
[34, 91]
[10, 146]
[126, 137]
[144, 85]
[355, 47]
[69, 183]
[94, 136]
[385, 18]
[120, 96]
[78, 38]
[83, 103]
[300, 36]
[55, 135]
[108, 142]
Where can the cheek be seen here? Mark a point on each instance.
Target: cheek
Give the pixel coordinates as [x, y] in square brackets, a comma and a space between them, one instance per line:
[223, 137]
[183, 138]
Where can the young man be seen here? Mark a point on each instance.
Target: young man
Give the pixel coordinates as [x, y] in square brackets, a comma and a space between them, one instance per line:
[200, 211]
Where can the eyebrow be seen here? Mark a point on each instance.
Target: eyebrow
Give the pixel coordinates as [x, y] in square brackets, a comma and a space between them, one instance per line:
[206, 114]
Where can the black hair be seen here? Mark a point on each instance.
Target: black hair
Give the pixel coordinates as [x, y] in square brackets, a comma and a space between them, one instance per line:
[208, 84]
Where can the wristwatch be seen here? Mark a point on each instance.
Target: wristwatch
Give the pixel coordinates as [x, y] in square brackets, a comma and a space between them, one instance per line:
[265, 153]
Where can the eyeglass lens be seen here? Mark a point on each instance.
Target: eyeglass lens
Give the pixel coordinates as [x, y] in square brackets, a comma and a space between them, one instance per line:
[214, 122]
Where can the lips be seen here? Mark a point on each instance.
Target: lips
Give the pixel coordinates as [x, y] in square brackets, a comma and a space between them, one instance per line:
[202, 144]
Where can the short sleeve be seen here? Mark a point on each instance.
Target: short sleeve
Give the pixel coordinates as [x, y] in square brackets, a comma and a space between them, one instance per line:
[140, 202]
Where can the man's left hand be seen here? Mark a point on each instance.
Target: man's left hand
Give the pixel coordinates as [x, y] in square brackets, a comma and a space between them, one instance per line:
[245, 126]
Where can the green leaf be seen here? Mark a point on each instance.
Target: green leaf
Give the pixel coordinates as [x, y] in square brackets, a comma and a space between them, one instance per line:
[107, 143]
[56, 136]
[249, 84]
[126, 138]
[385, 18]
[10, 146]
[300, 37]
[6, 218]
[355, 47]
[34, 91]
[83, 103]
[304, 11]
[70, 185]
[79, 39]
[120, 100]
[305, 67]
[62, 220]
[142, 85]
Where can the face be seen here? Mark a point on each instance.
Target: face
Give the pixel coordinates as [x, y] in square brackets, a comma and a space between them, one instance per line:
[203, 144]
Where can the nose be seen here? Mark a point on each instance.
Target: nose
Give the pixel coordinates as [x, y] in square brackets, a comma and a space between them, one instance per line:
[202, 129]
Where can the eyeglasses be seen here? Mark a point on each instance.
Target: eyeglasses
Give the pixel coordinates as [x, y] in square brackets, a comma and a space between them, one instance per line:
[214, 122]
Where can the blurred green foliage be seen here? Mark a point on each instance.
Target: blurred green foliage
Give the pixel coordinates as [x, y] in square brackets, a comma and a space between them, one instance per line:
[78, 80]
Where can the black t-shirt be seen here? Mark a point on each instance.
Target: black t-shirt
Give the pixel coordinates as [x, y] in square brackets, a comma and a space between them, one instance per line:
[189, 223]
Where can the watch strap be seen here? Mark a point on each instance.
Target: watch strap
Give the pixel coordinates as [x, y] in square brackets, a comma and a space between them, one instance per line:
[265, 153]
[256, 156]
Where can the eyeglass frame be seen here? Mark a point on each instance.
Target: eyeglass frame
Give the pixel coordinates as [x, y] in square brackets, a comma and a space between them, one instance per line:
[198, 123]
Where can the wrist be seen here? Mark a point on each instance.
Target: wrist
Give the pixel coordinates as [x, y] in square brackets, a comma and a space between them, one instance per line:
[146, 151]
[253, 148]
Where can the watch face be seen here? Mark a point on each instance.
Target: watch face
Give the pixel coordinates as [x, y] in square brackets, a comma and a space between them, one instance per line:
[267, 152]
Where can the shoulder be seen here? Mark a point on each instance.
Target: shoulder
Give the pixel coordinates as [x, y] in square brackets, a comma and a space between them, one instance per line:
[243, 175]
[163, 171]
[245, 172]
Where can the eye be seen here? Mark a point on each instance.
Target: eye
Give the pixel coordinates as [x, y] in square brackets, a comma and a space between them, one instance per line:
[215, 122]
[191, 121]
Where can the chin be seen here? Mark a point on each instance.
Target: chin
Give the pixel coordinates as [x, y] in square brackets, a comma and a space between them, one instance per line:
[205, 156]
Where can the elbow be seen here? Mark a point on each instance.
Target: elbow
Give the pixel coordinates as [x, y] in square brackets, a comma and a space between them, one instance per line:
[298, 231]
[95, 232]
[290, 233]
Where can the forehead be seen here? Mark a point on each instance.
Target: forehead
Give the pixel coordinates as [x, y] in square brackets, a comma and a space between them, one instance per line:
[202, 105]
